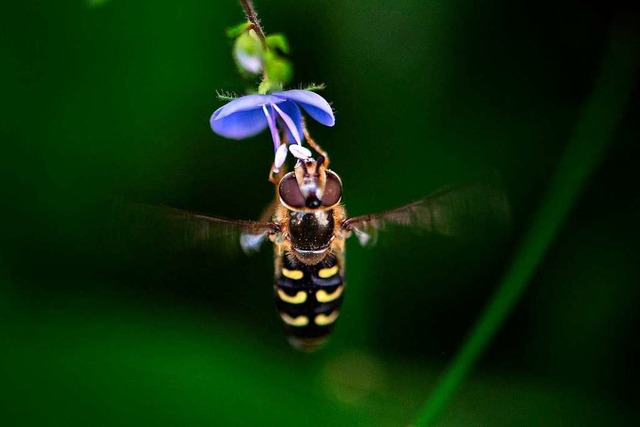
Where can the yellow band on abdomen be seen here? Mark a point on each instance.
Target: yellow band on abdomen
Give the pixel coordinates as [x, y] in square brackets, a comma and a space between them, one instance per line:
[298, 298]
[294, 321]
[323, 296]
[292, 274]
[328, 272]
[323, 319]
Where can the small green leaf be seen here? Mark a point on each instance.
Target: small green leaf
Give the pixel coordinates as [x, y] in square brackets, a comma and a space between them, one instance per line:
[278, 69]
[236, 30]
[313, 87]
[225, 96]
[278, 42]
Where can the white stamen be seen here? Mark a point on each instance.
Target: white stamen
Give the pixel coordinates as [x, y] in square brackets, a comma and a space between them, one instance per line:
[299, 152]
[281, 156]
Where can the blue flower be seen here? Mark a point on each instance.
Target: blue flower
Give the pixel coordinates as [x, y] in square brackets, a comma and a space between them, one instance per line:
[251, 114]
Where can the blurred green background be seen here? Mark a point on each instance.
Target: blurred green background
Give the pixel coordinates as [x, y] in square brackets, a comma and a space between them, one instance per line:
[109, 99]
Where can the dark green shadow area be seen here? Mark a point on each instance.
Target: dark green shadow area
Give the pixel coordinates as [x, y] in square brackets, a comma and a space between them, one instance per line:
[603, 112]
[103, 362]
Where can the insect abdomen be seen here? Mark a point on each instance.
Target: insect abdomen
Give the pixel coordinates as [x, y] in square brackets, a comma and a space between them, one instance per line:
[308, 299]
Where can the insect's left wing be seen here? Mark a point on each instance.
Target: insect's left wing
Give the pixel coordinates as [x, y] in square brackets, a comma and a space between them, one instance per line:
[452, 211]
[183, 229]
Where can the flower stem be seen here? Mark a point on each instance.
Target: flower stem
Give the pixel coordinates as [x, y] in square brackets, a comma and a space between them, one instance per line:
[252, 16]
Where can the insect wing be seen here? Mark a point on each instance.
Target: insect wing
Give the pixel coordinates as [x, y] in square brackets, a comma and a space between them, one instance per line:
[456, 211]
[185, 230]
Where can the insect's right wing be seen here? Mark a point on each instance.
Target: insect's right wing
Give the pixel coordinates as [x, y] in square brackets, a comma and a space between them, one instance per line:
[184, 230]
[455, 211]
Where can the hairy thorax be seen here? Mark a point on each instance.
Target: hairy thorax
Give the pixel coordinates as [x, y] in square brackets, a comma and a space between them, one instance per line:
[311, 235]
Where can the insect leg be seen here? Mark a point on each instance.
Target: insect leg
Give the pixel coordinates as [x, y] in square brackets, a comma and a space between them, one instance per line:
[315, 146]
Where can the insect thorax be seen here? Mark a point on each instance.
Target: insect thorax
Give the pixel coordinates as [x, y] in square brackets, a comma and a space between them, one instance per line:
[311, 231]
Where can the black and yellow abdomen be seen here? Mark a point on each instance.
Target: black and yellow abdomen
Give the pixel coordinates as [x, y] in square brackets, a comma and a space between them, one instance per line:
[308, 299]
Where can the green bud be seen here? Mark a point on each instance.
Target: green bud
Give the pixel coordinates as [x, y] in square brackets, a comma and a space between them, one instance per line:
[248, 53]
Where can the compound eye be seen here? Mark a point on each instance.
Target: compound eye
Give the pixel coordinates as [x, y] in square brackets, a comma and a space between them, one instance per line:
[332, 190]
[289, 191]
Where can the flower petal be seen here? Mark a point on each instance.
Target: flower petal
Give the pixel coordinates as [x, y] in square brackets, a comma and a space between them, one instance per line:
[292, 118]
[315, 105]
[239, 125]
[244, 103]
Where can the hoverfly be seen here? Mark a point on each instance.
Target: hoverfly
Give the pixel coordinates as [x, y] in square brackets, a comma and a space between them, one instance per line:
[308, 227]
